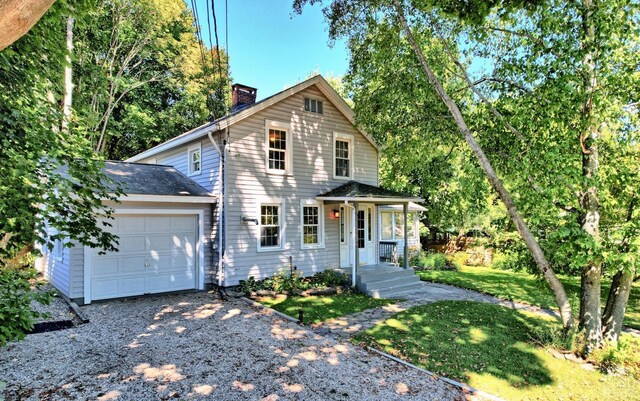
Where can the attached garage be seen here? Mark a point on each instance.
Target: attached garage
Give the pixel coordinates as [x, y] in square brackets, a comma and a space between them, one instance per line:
[164, 225]
[157, 253]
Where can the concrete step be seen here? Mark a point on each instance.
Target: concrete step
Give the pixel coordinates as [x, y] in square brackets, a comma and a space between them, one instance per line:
[388, 282]
[394, 292]
[381, 276]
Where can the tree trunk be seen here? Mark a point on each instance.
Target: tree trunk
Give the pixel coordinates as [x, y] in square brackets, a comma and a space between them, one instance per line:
[68, 83]
[523, 229]
[591, 273]
[18, 16]
[613, 316]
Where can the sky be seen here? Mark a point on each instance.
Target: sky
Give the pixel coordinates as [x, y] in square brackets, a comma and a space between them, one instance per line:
[271, 48]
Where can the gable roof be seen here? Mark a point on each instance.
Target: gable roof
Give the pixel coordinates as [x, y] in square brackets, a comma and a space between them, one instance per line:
[357, 191]
[243, 113]
[151, 179]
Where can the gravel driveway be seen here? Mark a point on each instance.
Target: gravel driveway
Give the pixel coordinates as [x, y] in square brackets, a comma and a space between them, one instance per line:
[192, 346]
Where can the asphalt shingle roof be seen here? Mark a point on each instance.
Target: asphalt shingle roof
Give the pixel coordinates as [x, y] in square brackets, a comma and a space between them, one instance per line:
[151, 179]
[354, 189]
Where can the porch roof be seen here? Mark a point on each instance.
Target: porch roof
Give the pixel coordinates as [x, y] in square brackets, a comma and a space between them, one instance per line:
[354, 191]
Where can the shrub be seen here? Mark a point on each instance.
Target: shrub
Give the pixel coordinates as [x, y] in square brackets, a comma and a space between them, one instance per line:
[554, 336]
[623, 355]
[432, 261]
[17, 317]
[329, 278]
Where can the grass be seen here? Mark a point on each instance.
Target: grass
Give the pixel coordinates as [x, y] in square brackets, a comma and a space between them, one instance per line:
[490, 348]
[320, 308]
[526, 288]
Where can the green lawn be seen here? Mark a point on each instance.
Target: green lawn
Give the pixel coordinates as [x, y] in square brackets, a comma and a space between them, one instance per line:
[489, 347]
[320, 308]
[524, 287]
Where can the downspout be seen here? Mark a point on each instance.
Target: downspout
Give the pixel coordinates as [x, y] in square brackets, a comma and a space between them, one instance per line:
[220, 210]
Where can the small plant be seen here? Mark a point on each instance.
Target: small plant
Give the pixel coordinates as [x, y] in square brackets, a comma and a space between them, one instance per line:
[618, 357]
[432, 261]
[249, 285]
[328, 278]
[554, 336]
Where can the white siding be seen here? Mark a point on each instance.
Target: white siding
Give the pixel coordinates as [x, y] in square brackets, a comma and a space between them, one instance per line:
[76, 267]
[56, 271]
[178, 158]
[312, 174]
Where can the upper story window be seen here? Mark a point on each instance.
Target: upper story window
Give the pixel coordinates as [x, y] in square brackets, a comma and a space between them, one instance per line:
[312, 217]
[271, 225]
[195, 160]
[313, 105]
[278, 147]
[342, 156]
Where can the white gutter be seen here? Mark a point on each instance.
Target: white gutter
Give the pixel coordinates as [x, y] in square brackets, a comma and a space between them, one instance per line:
[166, 198]
[220, 206]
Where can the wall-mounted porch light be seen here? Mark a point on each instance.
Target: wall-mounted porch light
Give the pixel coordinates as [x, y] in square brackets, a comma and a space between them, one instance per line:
[335, 213]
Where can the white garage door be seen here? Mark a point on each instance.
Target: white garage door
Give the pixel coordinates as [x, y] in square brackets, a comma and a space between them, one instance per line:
[155, 254]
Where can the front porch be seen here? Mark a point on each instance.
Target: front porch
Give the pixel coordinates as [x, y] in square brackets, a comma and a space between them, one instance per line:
[384, 280]
[368, 254]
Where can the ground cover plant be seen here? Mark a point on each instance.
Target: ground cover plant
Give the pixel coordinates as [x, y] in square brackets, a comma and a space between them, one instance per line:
[321, 308]
[523, 287]
[497, 350]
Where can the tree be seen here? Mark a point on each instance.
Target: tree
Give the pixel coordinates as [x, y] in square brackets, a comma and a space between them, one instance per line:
[49, 175]
[18, 16]
[569, 59]
[143, 76]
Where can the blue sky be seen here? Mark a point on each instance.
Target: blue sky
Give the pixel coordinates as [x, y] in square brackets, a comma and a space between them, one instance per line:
[270, 47]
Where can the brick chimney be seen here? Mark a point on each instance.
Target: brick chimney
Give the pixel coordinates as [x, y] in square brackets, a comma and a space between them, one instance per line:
[242, 96]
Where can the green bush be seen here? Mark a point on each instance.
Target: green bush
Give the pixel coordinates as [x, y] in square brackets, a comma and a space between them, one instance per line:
[328, 278]
[614, 358]
[16, 294]
[431, 261]
[554, 336]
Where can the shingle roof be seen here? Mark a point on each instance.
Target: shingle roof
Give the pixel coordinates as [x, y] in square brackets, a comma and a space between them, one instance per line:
[151, 179]
[354, 189]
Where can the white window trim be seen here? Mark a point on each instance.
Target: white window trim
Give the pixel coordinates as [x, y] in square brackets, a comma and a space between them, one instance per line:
[266, 201]
[192, 149]
[320, 206]
[58, 250]
[271, 124]
[318, 100]
[347, 138]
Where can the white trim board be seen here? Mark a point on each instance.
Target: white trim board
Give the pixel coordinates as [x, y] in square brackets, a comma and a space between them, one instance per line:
[199, 244]
[167, 198]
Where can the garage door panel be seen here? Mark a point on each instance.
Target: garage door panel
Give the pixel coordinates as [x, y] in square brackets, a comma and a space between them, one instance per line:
[170, 282]
[183, 225]
[131, 224]
[156, 254]
[106, 265]
[132, 265]
[159, 224]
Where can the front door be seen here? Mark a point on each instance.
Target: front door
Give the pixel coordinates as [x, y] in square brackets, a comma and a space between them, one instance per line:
[364, 234]
[345, 237]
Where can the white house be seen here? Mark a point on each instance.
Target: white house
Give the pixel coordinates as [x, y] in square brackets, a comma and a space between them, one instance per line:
[287, 177]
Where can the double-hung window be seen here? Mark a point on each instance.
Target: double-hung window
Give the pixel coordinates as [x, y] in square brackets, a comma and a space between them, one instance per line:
[195, 161]
[342, 156]
[278, 149]
[312, 222]
[392, 226]
[271, 227]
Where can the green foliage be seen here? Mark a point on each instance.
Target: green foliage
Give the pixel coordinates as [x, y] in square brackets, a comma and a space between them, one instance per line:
[35, 186]
[16, 295]
[285, 281]
[554, 336]
[141, 76]
[328, 278]
[618, 357]
[432, 261]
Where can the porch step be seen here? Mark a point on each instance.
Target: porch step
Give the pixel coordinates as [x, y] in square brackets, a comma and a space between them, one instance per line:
[384, 280]
[395, 292]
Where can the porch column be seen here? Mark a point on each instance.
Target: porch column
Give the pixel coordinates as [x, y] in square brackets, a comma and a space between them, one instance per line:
[405, 208]
[354, 226]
